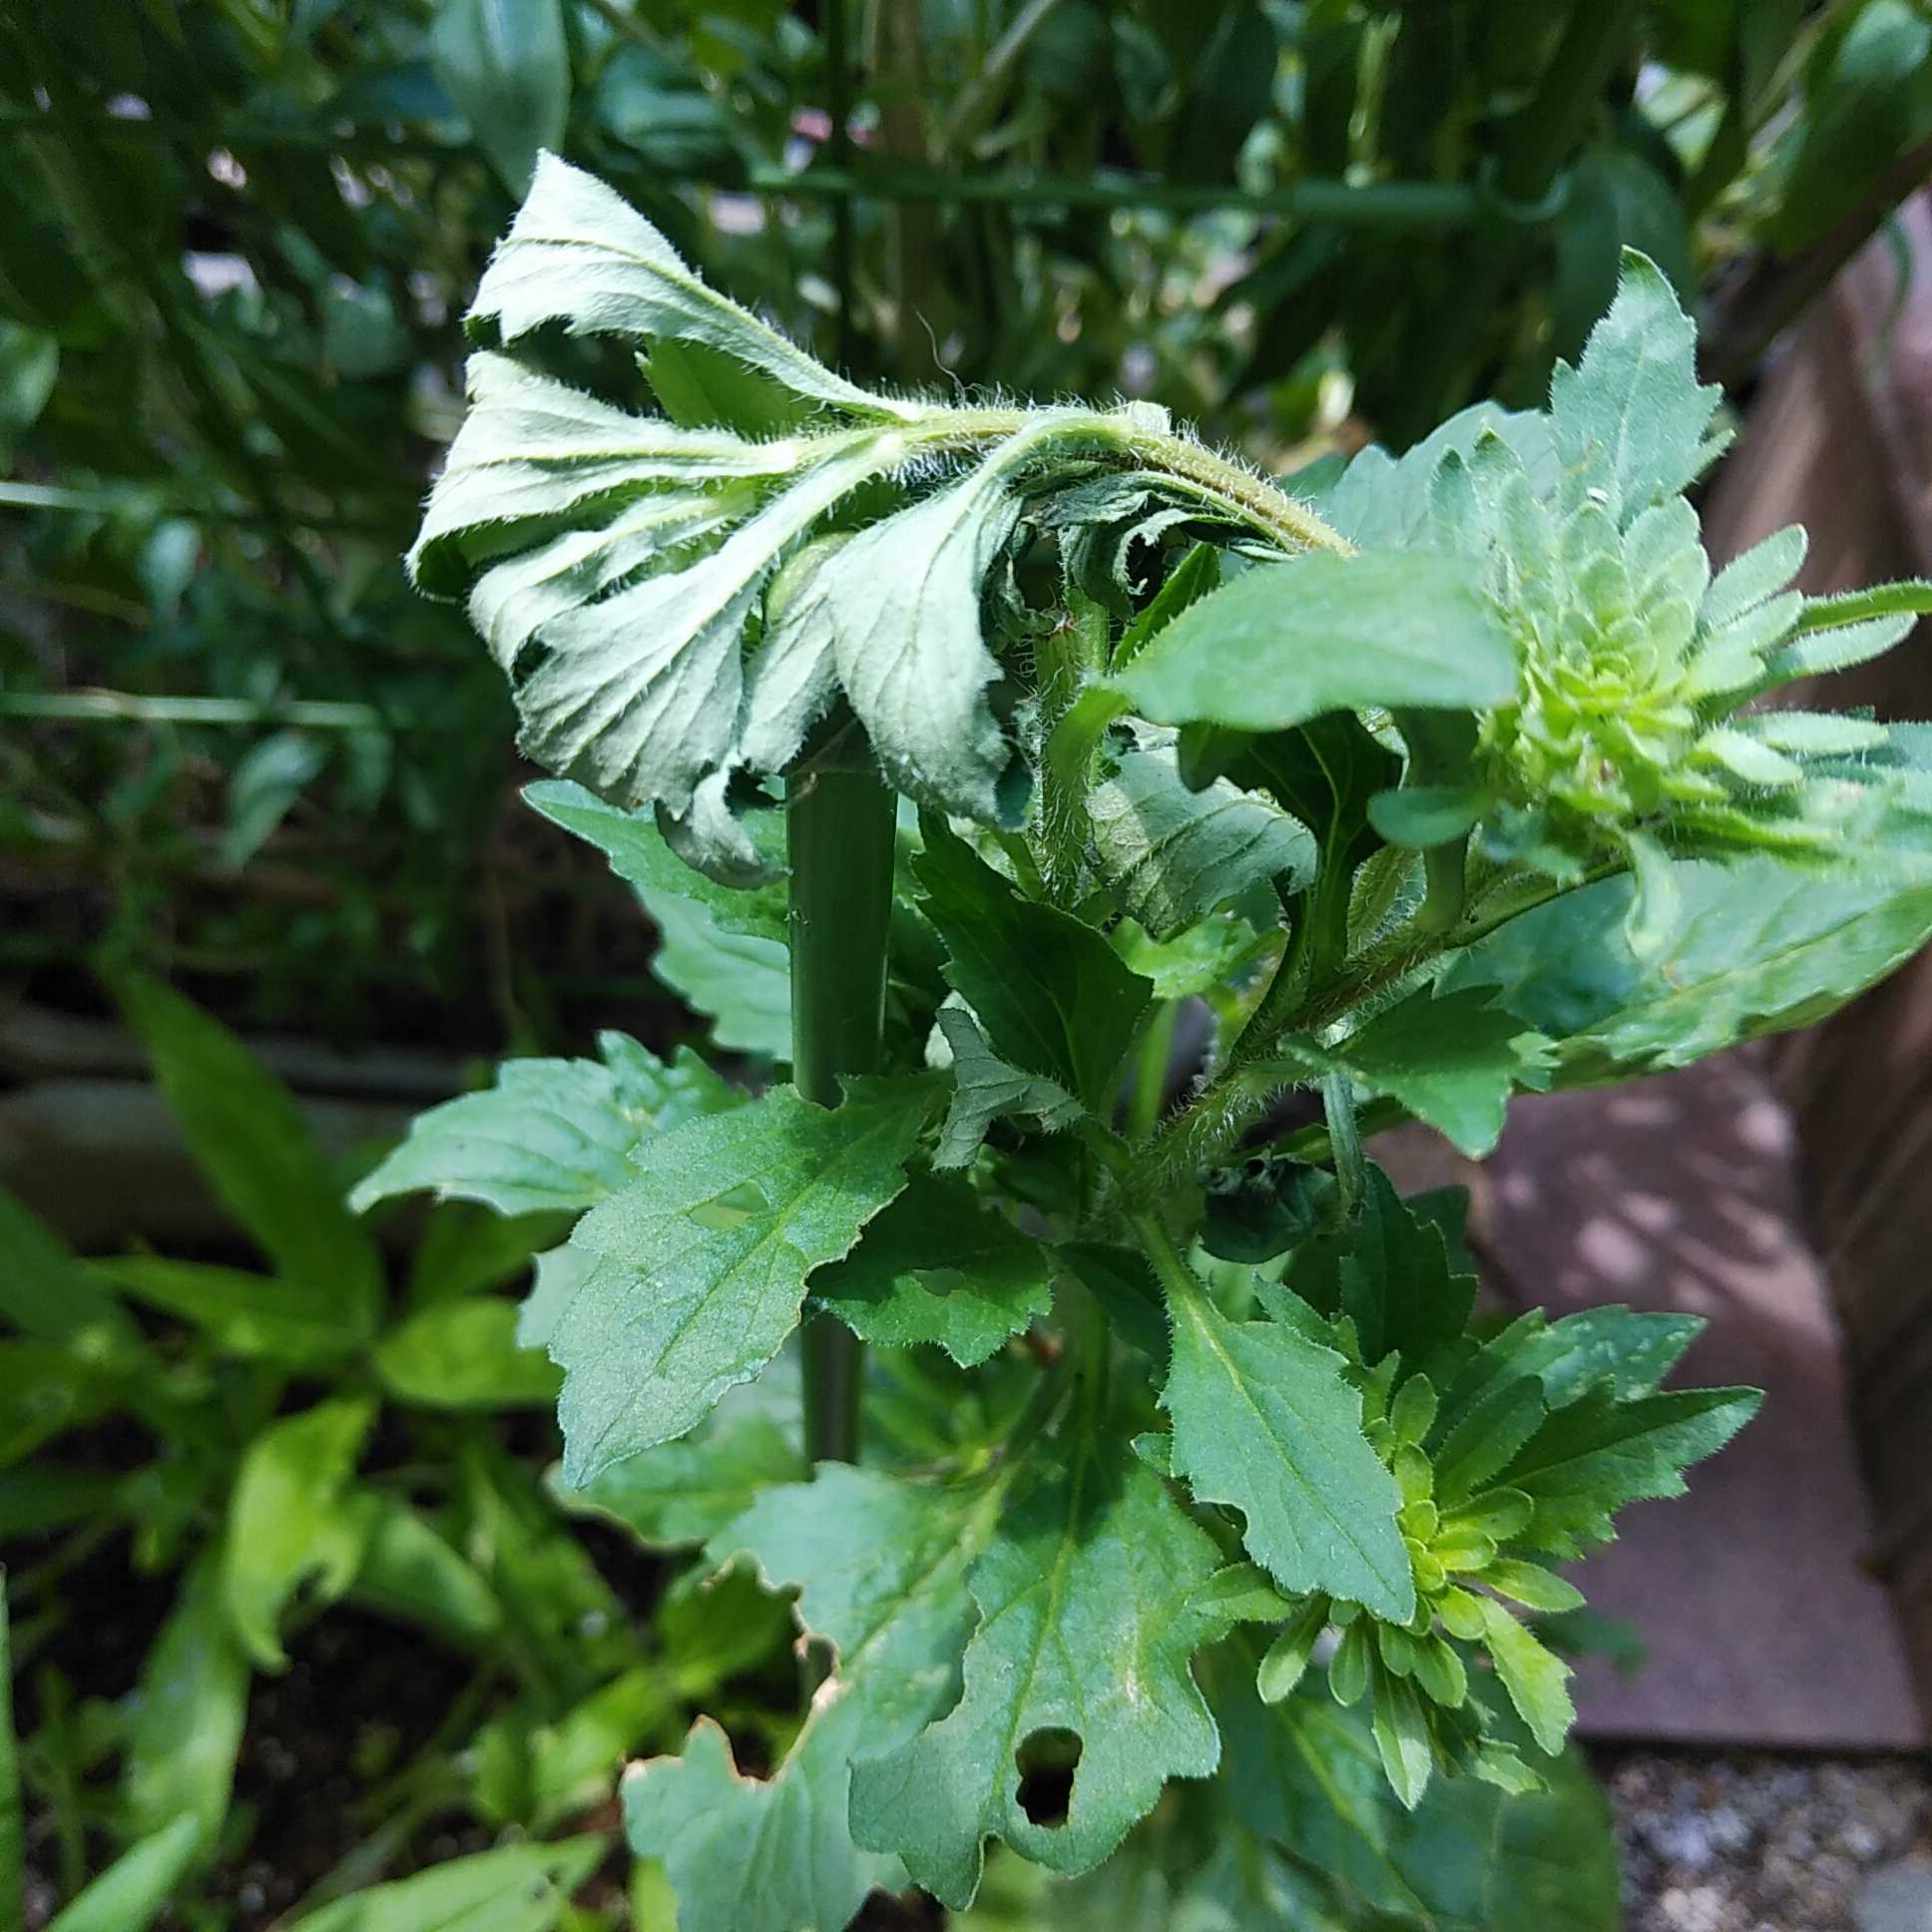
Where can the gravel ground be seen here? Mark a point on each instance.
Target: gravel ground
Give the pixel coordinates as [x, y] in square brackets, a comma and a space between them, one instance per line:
[1748, 1843]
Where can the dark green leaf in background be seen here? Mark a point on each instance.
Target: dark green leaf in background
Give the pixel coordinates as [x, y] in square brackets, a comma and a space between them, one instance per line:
[1053, 996]
[505, 65]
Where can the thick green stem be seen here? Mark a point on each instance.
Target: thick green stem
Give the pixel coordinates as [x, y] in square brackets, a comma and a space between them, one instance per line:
[838, 819]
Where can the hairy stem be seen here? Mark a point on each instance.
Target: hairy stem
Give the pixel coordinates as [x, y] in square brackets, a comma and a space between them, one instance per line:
[839, 823]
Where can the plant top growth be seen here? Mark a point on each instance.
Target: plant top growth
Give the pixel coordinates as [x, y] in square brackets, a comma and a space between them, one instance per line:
[956, 744]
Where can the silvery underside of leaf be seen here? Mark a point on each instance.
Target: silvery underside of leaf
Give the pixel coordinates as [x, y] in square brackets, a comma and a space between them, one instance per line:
[626, 570]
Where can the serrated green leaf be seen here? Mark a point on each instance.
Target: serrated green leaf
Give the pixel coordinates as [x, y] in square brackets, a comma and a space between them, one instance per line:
[285, 1529]
[1532, 1586]
[1401, 1736]
[1174, 854]
[249, 1138]
[1486, 1436]
[1911, 597]
[516, 1888]
[702, 1260]
[742, 983]
[938, 1266]
[464, 1355]
[1381, 502]
[1290, 641]
[1754, 576]
[1087, 1620]
[579, 253]
[1054, 998]
[684, 1492]
[1631, 1350]
[1452, 1059]
[1630, 419]
[1597, 1454]
[986, 1088]
[131, 1894]
[880, 1567]
[1814, 652]
[1534, 1677]
[551, 1133]
[1264, 1422]
[1758, 947]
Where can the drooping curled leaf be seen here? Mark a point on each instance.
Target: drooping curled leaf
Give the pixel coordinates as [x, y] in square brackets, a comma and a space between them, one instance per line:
[579, 253]
[619, 564]
[700, 1263]
[551, 1133]
[1093, 1597]
[881, 1566]
[937, 1265]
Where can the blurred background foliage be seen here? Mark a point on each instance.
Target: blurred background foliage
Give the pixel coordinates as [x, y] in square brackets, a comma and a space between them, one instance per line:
[236, 237]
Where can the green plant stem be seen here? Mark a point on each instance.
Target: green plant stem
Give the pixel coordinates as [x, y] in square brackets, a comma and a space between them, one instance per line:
[1164, 1257]
[839, 820]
